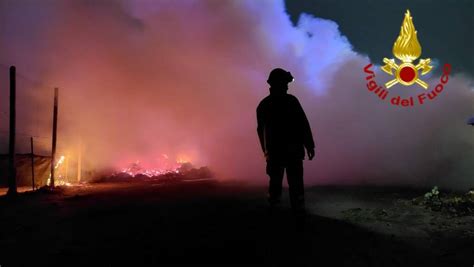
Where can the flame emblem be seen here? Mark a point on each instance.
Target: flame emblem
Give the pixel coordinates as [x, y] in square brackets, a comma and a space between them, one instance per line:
[407, 49]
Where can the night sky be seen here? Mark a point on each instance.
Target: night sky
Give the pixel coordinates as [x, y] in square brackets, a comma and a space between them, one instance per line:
[445, 28]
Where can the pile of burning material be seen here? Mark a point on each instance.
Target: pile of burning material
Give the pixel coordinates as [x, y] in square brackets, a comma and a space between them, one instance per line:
[456, 204]
[185, 172]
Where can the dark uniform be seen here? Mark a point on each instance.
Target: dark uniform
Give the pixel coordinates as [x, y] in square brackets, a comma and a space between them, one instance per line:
[284, 133]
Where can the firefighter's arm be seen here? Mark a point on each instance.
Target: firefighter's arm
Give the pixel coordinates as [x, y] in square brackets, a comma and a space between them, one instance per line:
[308, 140]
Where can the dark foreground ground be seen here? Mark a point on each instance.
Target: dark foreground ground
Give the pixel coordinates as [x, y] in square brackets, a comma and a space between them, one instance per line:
[208, 222]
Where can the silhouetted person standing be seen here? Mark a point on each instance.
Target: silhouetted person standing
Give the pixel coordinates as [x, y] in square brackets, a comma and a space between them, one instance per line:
[284, 133]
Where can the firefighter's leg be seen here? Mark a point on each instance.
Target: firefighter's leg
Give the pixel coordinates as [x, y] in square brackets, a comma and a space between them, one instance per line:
[294, 173]
[275, 170]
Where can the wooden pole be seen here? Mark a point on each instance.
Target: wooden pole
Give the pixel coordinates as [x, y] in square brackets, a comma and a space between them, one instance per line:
[32, 164]
[11, 148]
[55, 127]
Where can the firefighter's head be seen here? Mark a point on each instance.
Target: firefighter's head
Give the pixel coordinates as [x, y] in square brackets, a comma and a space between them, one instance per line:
[280, 78]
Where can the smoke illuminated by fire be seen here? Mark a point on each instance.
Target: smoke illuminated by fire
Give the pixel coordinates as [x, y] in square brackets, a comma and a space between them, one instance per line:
[141, 78]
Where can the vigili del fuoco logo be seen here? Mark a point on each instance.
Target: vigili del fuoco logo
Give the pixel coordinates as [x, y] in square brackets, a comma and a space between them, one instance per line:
[406, 70]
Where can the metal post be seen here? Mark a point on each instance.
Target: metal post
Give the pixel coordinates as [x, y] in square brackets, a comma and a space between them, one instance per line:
[11, 148]
[55, 127]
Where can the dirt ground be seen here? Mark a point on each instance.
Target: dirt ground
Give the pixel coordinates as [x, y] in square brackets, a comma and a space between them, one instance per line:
[148, 223]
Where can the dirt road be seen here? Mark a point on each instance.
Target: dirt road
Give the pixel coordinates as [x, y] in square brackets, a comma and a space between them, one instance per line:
[209, 222]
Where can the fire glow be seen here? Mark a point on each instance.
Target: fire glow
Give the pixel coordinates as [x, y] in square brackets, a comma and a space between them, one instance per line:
[61, 179]
[160, 166]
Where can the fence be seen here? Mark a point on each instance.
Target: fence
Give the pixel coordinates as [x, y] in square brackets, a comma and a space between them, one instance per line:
[33, 152]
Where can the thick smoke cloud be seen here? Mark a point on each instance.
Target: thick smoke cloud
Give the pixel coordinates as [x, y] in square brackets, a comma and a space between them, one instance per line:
[139, 79]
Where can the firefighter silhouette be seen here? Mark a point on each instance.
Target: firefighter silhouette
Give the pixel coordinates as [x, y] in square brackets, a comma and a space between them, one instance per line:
[284, 133]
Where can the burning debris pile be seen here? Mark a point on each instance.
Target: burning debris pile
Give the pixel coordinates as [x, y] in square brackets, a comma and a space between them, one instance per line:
[135, 172]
